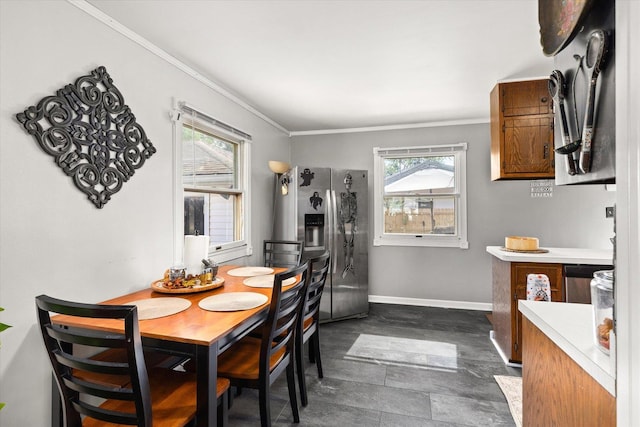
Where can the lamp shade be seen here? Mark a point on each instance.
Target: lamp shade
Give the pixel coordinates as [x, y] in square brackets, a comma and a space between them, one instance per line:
[279, 167]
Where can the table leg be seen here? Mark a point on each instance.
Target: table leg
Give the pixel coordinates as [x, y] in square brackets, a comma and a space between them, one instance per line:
[207, 371]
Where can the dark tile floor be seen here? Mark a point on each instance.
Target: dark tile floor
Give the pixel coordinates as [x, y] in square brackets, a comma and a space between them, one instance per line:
[400, 366]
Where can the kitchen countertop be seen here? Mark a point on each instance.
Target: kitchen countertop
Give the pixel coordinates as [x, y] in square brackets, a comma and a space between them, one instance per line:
[557, 255]
[570, 327]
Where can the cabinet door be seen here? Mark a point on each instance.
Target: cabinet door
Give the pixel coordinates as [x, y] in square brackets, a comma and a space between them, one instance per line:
[525, 98]
[519, 273]
[516, 325]
[528, 146]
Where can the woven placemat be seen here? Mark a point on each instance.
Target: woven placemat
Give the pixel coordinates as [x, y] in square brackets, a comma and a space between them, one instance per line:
[266, 281]
[233, 301]
[250, 271]
[152, 308]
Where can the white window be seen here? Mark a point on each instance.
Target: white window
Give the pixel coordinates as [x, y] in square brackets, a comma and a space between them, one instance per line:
[211, 183]
[420, 196]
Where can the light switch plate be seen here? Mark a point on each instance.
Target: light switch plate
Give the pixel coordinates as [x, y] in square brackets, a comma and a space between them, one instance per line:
[609, 212]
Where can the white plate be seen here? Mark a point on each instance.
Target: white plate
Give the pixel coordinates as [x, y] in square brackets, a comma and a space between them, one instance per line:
[250, 271]
[233, 301]
[152, 308]
[266, 281]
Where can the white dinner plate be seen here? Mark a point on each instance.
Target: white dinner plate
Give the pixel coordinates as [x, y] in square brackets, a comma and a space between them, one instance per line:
[266, 281]
[152, 308]
[233, 301]
[250, 271]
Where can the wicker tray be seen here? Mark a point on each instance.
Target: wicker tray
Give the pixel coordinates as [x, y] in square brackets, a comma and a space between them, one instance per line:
[532, 251]
[159, 287]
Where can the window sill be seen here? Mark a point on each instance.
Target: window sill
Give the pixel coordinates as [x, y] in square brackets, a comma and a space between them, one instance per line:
[225, 255]
[437, 242]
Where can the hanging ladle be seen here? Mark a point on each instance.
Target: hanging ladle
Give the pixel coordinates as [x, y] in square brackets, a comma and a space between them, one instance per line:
[557, 89]
[593, 61]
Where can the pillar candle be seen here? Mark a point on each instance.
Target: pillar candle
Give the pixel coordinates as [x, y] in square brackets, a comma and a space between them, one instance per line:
[195, 249]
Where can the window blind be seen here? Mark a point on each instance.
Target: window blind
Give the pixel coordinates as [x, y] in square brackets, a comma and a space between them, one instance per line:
[187, 109]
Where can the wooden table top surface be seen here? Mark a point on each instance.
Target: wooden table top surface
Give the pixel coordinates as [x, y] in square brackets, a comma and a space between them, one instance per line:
[193, 325]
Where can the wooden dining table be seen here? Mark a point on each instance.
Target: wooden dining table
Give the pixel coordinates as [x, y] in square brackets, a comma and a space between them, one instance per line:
[195, 332]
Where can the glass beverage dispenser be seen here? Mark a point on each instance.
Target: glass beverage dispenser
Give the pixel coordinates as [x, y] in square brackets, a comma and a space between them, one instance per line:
[602, 300]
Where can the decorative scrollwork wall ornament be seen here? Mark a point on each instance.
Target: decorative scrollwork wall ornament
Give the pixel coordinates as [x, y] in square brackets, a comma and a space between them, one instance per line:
[91, 133]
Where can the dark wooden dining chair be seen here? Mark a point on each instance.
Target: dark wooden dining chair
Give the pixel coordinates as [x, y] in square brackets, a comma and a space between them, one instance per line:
[257, 362]
[119, 380]
[308, 325]
[282, 253]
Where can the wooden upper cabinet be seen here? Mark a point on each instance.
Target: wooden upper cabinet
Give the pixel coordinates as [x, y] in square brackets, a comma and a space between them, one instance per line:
[522, 131]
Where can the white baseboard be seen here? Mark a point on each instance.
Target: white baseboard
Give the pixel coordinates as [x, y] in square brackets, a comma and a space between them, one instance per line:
[464, 305]
[505, 359]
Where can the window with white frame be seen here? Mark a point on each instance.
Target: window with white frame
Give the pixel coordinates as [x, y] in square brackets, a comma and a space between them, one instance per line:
[420, 196]
[212, 183]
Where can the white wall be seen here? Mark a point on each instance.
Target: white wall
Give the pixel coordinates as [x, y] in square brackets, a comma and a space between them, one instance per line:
[573, 217]
[53, 240]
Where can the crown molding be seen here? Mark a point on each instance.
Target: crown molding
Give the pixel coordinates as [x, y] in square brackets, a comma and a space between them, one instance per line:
[391, 127]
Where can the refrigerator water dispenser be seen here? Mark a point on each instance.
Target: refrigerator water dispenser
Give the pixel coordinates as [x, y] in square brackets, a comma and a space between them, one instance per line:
[314, 231]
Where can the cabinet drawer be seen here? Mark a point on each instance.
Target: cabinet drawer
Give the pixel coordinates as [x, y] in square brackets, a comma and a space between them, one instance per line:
[526, 98]
[520, 271]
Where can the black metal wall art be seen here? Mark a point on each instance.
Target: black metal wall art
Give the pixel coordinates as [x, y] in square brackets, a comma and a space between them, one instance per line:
[91, 134]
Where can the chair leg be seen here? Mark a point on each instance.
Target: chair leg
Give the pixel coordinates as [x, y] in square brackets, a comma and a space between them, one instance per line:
[315, 338]
[312, 356]
[299, 350]
[291, 385]
[223, 409]
[265, 405]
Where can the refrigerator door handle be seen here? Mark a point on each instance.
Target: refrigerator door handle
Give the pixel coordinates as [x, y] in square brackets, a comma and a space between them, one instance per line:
[333, 211]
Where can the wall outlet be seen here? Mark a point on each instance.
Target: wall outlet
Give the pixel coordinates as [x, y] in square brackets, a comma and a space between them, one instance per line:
[609, 212]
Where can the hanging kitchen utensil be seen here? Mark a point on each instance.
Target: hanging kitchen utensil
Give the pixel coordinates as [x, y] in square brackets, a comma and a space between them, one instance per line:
[596, 47]
[571, 141]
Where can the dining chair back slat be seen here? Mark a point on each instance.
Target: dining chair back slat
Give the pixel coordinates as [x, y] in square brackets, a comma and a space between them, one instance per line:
[282, 253]
[308, 324]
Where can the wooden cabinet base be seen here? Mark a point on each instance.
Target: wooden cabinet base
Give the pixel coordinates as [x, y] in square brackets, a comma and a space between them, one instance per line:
[509, 286]
[558, 392]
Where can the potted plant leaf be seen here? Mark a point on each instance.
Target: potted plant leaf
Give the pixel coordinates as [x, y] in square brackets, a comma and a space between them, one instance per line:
[2, 328]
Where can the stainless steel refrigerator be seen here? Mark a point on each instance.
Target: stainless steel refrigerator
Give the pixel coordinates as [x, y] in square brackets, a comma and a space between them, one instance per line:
[327, 209]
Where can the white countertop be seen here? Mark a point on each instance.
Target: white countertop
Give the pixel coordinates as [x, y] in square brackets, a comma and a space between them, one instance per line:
[570, 327]
[557, 255]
